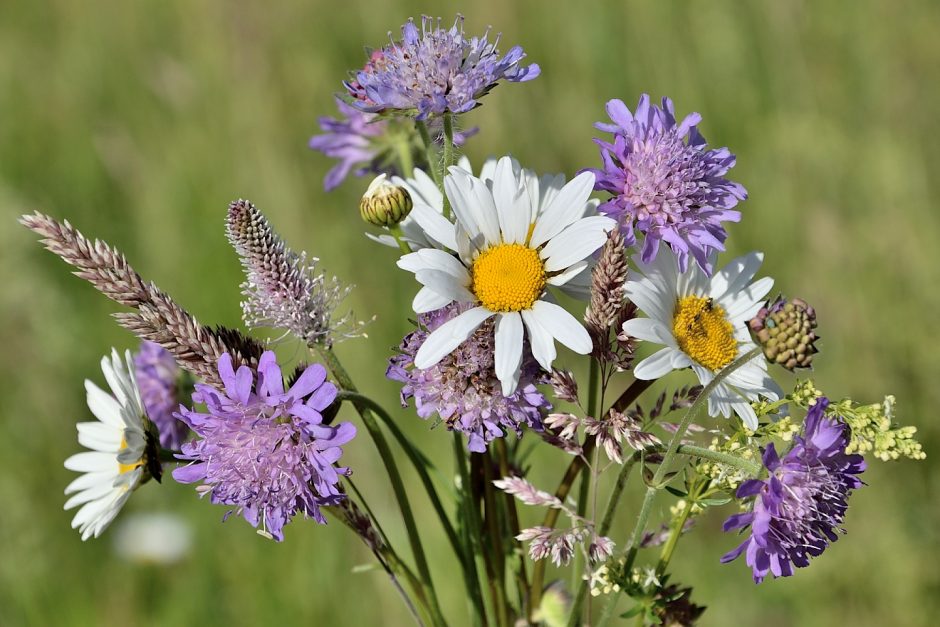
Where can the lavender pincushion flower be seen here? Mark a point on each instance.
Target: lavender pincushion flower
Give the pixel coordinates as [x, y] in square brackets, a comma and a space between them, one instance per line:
[265, 450]
[664, 182]
[463, 389]
[435, 71]
[799, 508]
[161, 383]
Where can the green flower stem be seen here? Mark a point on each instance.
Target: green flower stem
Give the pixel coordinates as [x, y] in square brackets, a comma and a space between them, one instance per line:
[395, 230]
[431, 151]
[406, 164]
[390, 563]
[678, 525]
[657, 482]
[420, 463]
[593, 392]
[472, 522]
[512, 514]
[623, 401]
[398, 487]
[495, 532]
[448, 157]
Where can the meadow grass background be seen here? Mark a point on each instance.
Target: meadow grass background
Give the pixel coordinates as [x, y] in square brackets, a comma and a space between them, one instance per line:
[140, 121]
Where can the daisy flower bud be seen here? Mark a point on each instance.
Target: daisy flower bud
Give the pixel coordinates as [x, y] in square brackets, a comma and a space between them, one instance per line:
[384, 203]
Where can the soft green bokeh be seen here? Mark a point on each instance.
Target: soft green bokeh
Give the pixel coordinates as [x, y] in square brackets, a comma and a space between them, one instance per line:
[139, 121]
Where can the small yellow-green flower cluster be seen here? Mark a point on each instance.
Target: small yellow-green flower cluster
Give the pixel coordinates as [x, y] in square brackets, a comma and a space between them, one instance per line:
[726, 477]
[873, 428]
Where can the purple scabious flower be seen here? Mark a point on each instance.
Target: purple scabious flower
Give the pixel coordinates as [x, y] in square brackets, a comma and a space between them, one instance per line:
[162, 386]
[265, 450]
[463, 389]
[799, 508]
[435, 71]
[664, 182]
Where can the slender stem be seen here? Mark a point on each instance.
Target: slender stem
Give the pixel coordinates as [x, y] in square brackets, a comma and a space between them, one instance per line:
[398, 486]
[751, 468]
[406, 164]
[664, 466]
[614, 500]
[551, 517]
[496, 539]
[431, 152]
[522, 580]
[623, 401]
[386, 557]
[396, 232]
[472, 525]
[448, 156]
[675, 533]
[593, 380]
[420, 463]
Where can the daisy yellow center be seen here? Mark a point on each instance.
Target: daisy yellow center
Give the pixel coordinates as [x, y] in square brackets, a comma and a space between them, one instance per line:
[508, 277]
[124, 468]
[703, 332]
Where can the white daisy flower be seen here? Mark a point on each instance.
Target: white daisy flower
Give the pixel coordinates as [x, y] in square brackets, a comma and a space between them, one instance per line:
[702, 322]
[118, 460]
[512, 239]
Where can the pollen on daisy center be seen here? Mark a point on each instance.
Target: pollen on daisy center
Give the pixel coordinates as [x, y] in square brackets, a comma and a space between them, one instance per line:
[508, 277]
[703, 332]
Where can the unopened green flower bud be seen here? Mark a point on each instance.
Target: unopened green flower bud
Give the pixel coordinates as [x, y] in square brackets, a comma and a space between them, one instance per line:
[785, 331]
[384, 203]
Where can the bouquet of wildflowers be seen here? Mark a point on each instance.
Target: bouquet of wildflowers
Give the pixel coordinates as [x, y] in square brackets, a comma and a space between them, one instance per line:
[493, 247]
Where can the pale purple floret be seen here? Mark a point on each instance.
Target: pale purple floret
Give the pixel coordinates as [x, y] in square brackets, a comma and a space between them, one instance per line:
[161, 382]
[435, 71]
[665, 183]
[351, 140]
[463, 389]
[364, 143]
[800, 507]
[265, 450]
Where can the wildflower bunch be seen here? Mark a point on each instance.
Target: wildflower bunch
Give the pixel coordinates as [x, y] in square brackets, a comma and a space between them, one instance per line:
[545, 308]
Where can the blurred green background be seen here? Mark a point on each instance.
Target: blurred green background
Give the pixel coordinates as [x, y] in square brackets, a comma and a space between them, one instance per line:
[139, 121]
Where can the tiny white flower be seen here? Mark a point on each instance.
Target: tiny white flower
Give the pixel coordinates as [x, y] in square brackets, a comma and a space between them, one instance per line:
[117, 462]
[702, 322]
[514, 236]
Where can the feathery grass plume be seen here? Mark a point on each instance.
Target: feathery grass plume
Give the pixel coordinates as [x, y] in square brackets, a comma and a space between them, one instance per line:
[282, 290]
[157, 318]
[609, 307]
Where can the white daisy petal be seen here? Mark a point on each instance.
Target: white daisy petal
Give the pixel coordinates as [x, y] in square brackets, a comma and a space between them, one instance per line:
[746, 307]
[485, 211]
[540, 340]
[92, 461]
[435, 225]
[435, 259]
[449, 336]
[649, 330]
[445, 285]
[567, 275]
[562, 326]
[508, 337]
[103, 405]
[735, 275]
[457, 188]
[514, 209]
[427, 300]
[654, 366]
[566, 207]
[576, 242]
